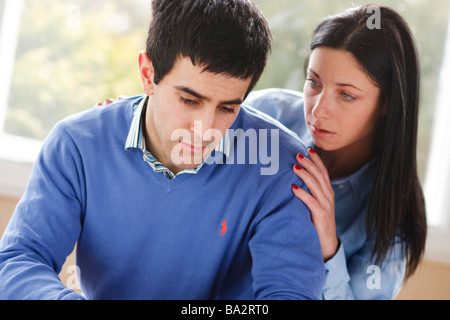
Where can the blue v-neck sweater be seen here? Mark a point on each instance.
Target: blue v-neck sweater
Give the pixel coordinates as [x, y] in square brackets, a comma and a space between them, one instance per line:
[227, 232]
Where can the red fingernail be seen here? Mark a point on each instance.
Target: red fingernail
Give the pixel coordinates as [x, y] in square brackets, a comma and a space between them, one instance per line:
[300, 156]
[295, 187]
[297, 167]
[311, 150]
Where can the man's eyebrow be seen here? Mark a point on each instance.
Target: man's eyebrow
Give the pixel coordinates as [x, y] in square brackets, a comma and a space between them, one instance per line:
[199, 96]
[192, 93]
[233, 102]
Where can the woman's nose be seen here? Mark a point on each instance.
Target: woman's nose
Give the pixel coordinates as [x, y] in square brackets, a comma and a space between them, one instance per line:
[321, 109]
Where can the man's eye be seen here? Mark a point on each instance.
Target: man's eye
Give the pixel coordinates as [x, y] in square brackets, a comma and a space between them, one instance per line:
[188, 101]
[227, 110]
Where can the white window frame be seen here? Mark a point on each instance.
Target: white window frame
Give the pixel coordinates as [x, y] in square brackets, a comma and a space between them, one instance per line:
[437, 183]
[17, 154]
[9, 35]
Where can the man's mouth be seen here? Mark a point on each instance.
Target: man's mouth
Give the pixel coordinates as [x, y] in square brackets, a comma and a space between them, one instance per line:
[192, 148]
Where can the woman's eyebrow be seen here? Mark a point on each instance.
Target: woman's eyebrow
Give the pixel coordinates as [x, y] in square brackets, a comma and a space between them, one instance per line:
[315, 73]
[349, 85]
[339, 84]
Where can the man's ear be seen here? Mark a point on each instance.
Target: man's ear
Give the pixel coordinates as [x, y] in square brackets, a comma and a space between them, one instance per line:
[147, 73]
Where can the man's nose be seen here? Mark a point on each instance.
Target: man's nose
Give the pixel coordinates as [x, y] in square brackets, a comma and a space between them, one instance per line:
[203, 125]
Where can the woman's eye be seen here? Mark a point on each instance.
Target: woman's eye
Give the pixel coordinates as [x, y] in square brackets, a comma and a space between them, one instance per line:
[313, 83]
[348, 97]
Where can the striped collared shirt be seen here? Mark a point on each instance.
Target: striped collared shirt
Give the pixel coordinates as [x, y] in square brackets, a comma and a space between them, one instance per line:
[136, 140]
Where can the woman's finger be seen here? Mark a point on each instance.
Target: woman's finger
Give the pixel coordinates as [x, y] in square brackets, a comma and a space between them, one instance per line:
[316, 188]
[316, 172]
[316, 168]
[110, 100]
[318, 162]
[305, 197]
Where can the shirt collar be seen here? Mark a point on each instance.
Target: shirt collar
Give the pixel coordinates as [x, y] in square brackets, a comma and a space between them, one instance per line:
[135, 136]
[360, 181]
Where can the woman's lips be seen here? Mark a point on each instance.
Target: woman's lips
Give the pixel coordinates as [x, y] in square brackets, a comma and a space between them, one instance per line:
[321, 133]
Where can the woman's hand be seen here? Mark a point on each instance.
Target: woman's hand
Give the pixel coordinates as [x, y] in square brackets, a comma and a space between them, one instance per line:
[320, 202]
[109, 101]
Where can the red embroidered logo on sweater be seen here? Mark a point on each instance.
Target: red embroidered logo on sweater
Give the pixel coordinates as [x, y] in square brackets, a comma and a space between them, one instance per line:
[224, 228]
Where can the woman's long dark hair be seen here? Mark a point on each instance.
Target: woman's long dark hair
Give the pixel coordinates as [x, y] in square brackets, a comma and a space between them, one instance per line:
[387, 52]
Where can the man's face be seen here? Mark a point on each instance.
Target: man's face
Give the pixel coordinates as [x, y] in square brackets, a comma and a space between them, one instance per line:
[188, 112]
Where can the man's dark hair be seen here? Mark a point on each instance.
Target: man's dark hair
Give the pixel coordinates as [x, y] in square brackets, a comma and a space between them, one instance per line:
[223, 36]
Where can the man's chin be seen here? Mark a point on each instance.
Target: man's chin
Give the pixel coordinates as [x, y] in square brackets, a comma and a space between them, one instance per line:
[190, 162]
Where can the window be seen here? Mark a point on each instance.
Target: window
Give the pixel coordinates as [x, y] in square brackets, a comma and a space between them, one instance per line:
[438, 174]
[69, 54]
[61, 57]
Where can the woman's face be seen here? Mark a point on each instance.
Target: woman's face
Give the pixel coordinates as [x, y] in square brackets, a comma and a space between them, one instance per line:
[341, 101]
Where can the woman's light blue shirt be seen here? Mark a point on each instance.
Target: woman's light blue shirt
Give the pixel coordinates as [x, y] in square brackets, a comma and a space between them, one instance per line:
[352, 272]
